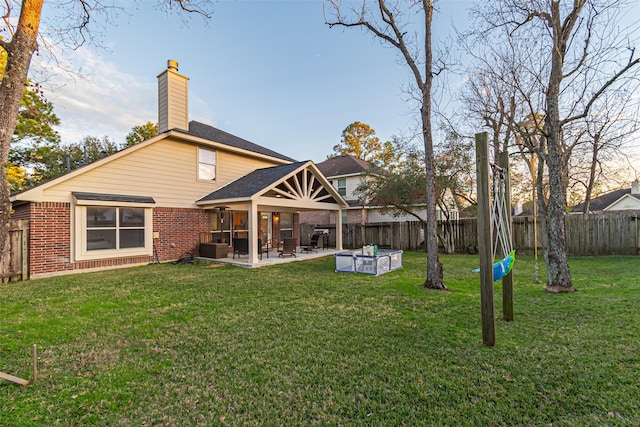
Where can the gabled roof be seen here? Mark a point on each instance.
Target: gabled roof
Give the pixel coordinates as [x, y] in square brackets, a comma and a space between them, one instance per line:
[196, 133]
[297, 185]
[210, 133]
[602, 202]
[252, 183]
[343, 165]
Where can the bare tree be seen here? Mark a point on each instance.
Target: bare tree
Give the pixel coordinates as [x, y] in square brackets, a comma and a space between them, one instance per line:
[612, 123]
[390, 22]
[583, 57]
[73, 28]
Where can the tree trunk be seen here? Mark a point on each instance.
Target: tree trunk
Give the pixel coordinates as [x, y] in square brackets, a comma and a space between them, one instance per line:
[592, 173]
[434, 266]
[555, 255]
[19, 52]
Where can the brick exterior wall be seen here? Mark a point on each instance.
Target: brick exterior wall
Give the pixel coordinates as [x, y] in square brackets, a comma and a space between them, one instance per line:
[316, 217]
[21, 212]
[179, 231]
[296, 226]
[356, 216]
[50, 238]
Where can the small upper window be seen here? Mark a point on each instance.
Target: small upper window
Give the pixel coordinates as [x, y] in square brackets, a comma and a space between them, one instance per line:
[206, 164]
[342, 186]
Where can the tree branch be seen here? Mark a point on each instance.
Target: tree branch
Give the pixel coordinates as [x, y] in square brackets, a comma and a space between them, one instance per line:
[594, 98]
[184, 5]
[389, 19]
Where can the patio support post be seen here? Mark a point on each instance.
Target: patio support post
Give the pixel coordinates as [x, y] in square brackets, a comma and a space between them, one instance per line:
[253, 232]
[339, 230]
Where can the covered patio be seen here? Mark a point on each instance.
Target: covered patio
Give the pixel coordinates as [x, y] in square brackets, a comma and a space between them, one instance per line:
[261, 202]
[273, 258]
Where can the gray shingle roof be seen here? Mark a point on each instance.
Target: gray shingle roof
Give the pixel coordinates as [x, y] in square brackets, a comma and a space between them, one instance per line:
[343, 165]
[601, 202]
[252, 183]
[112, 197]
[214, 134]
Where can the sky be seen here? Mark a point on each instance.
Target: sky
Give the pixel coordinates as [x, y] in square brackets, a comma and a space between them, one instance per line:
[267, 71]
[270, 72]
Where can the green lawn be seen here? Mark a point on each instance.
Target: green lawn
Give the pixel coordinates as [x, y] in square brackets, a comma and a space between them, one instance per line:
[299, 344]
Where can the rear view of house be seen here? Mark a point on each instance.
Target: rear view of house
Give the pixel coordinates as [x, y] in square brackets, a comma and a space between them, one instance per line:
[155, 200]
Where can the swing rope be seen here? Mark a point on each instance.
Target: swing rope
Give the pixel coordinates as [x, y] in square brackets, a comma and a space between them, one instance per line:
[501, 227]
[500, 224]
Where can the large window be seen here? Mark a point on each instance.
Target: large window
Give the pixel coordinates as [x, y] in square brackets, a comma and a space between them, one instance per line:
[114, 228]
[206, 164]
[112, 231]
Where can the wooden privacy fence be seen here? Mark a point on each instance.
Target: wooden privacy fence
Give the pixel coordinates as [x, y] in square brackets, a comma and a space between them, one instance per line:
[15, 258]
[611, 233]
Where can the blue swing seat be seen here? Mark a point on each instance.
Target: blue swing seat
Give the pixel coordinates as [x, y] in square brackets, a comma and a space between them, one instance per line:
[501, 268]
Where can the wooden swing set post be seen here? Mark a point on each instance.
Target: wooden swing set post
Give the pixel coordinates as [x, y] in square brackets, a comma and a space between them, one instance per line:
[507, 280]
[484, 240]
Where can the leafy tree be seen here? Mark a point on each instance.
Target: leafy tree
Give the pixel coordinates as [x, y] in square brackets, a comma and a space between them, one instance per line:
[407, 27]
[140, 133]
[17, 177]
[360, 140]
[72, 28]
[34, 136]
[58, 160]
[402, 191]
[36, 118]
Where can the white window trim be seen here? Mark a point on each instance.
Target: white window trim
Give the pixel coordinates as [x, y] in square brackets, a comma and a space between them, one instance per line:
[79, 249]
[201, 162]
[338, 187]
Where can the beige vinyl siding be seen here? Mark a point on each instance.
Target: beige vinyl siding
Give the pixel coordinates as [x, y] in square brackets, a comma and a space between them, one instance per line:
[352, 182]
[173, 101]
[627, 202]
[375, 215]
[166, 171]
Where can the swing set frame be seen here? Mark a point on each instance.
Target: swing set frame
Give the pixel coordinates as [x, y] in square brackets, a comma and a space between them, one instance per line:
[485, 240]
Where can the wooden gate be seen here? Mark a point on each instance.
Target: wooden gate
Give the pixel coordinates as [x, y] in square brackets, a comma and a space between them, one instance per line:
[14, 261]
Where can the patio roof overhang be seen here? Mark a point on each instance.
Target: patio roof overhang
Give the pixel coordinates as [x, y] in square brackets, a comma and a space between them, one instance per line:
[292, 187]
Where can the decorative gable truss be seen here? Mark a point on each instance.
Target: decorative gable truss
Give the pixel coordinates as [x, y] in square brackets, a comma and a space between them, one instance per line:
[306, 188]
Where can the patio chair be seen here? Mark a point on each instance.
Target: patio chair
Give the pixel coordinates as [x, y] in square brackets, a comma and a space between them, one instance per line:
[240, 247]
[313, 245]
[289, 247]
[263, 248]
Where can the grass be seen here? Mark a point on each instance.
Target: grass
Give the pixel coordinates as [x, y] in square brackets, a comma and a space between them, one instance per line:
[299, 344]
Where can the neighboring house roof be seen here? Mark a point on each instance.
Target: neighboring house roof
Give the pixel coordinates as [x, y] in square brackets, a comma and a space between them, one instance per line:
[343, 165]
[605, 201]
[214, 134]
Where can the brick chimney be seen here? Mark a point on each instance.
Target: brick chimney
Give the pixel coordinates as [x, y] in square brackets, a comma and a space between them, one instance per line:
[173, 99]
